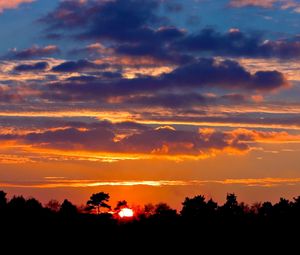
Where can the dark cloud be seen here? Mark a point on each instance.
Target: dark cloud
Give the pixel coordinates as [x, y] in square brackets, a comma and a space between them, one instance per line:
[166, 140]
[203, 74]
[117, 20]
[155, 46]
[111, 75]
[39, 66]
[236, 43]
[224, 74]
[185, 101]
[138, 139]
[99, 138]
[136, 28]
[167, 100]
[133, 26]
[228, 118]
[83, 78]
[34, 52]
[68, 14]
[78, 66]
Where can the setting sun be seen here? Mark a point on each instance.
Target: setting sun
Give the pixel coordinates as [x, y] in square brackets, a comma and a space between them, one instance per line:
[126, 212]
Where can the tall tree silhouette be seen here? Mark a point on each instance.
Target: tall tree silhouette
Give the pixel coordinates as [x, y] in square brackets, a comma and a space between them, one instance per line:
[164, 211]
[17, 204]
[3, 200]
[296, 203]
[99, 200]
[197, 207]
[266, 209]
[67, 208]
[282, 207]
[231, 207]
[33, 206]
[120, 205]
[53, 205]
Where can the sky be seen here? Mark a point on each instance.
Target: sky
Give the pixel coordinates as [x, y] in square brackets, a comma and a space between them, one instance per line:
[150, 100]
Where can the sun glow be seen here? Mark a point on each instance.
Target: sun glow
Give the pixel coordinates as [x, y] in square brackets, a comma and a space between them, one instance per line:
[126, 213]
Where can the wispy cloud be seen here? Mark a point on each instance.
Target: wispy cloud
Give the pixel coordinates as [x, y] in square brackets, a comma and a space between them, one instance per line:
[60, 182]
[261, 3]
[12, 4]
[283, 4]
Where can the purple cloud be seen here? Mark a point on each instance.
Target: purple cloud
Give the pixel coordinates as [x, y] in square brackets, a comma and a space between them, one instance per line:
[39, 66]
[34, 52]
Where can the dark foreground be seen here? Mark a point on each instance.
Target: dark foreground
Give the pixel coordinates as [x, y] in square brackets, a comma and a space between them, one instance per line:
[200, 228]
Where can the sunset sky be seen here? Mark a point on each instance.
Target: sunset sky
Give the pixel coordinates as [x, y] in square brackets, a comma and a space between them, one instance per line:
[150, 100]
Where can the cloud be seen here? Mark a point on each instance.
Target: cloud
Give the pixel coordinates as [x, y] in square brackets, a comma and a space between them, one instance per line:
[117, 20]
[39, 66]
[129, 138]
[92, 50]
[132, 27]
[260, 3]
[184, 101]
[9, 96]
[224, 73]
[12, 4]
[236, 44]
[283, 4]
[34, 52]
[203, 74]
[56, 182]
[78, 66]
[134, 139]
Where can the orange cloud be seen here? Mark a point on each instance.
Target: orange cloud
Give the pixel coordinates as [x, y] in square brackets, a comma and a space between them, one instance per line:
[265, 137]
[261, 3]
[12, 4]
[61, 182]
[284, 4]
[14, 159]
[102, 142]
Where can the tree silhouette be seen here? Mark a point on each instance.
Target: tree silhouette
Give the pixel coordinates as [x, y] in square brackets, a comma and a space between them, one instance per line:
[212, 206]
[17, 204]
[120, 205]
[197, 208]
[67, 208]
[53, 205]
[99, 200]
[231, 207]
[3, 200]
[266, 209]
[33, 206]
[296, 203]
[163, 210]
[282, 207]
[149, 209]
[231, 201]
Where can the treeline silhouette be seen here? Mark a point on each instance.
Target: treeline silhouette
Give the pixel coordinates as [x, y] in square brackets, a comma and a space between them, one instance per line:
[200, 222]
